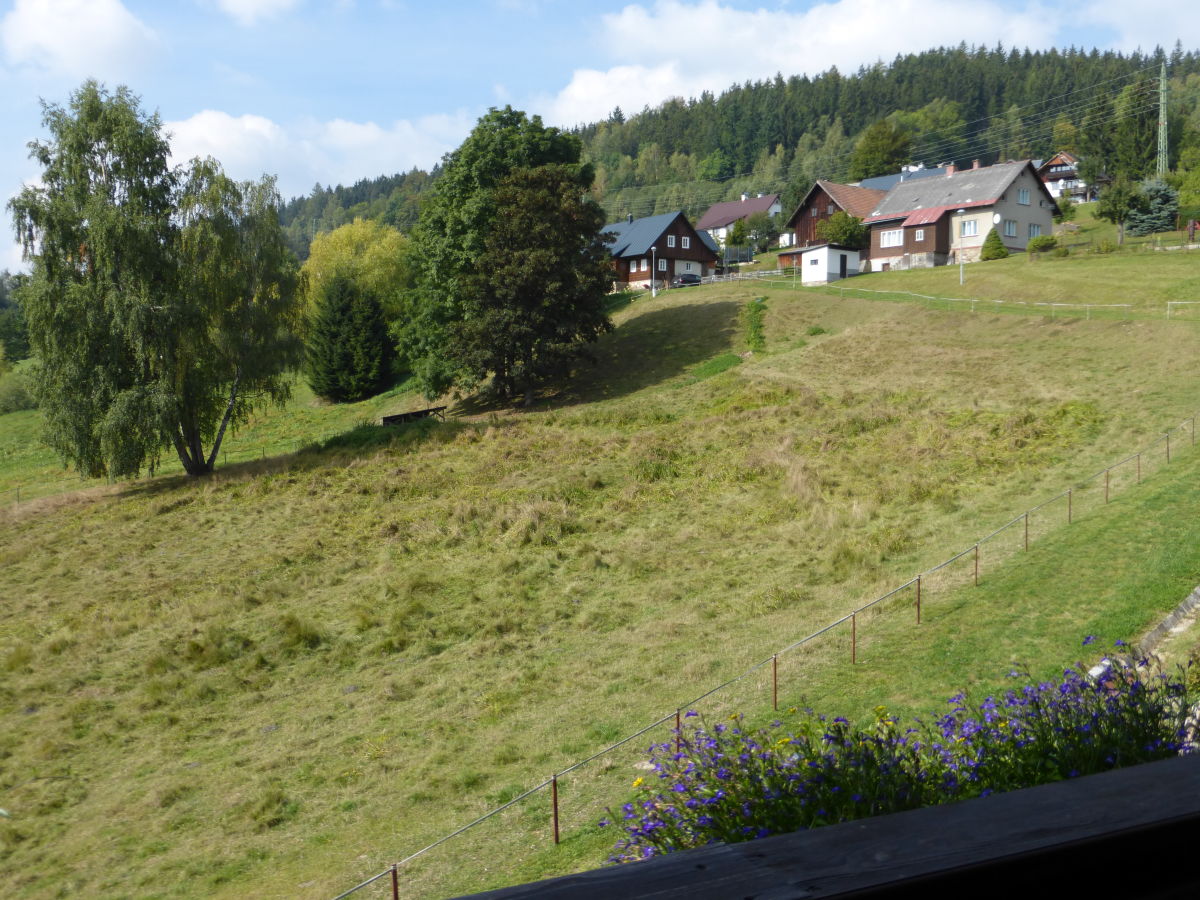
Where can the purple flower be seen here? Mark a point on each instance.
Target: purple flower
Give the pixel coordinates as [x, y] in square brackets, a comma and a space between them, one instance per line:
[1090, 639]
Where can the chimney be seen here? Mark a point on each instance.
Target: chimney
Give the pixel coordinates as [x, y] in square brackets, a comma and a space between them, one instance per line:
[974, 164]
[745, 196]
[950, 168]
[629, 218]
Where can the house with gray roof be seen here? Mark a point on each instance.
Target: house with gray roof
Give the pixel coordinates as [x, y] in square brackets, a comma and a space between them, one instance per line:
[937, 220]
[659, 249]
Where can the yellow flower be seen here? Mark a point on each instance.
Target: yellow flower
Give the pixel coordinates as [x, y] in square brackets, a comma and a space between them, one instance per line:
[881, 711]
[639, 781]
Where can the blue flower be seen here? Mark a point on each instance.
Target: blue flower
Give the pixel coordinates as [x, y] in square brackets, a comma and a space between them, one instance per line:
[1090, 639]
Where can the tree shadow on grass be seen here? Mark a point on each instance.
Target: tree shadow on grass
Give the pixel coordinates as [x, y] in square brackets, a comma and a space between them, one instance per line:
[651, 348]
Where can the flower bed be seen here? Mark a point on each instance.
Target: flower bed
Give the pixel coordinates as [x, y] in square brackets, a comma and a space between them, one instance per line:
[730, 783]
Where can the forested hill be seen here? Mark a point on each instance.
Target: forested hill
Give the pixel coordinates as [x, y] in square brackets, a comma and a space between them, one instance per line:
[949, 104]
[392, 199]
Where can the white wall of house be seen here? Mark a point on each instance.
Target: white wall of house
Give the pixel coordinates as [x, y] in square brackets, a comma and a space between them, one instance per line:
[821, 265]
[689, 267]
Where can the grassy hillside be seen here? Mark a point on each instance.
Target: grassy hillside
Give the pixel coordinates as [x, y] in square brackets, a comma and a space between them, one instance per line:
[282, 678]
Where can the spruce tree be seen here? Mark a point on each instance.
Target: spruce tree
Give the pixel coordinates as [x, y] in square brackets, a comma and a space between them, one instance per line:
[993, 247]
[349, 349]
[1160, 206]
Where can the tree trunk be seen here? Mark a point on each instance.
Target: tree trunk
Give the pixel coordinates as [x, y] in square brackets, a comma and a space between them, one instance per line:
[233, 392]
[192, 464]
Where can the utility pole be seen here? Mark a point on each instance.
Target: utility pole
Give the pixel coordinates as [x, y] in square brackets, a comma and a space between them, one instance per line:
[1161, 168]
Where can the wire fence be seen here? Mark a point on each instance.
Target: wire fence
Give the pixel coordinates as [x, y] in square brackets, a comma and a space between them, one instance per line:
[578, 796]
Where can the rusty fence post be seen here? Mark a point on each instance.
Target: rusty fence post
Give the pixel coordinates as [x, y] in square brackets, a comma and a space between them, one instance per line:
[554, 803]
[1026, 532]
[853, 638]
[918, 599]
[395, 883]
[775, 681]
[1139, 464]
[1106, 471]
[678, 731]
[1069, 504]
[976, 565]
[1168, 446]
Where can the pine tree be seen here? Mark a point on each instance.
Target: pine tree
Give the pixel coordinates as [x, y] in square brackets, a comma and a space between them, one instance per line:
[1158, 210]
[349, 350]
[993, 247]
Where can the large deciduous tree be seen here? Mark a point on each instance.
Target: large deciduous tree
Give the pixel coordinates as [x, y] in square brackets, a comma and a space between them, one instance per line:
[844, 230]
[160, 306]
[881, 150]
[461, 236]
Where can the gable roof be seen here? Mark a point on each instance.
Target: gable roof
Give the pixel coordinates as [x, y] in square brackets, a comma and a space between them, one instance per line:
[857, 201]
[637, 237]
[721, 214]
[927, 198]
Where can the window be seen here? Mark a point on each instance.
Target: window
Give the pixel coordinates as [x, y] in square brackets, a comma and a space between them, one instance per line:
[1035, 230]
[831, 209]
[662, 264]
[891, 238]
[670, 240]
[814, 262]
[813, 212]
[645, 265]
[1023, 196]
[968, 228]
[919, 234]
[1010, 228]
[687, 267]
[687, 242]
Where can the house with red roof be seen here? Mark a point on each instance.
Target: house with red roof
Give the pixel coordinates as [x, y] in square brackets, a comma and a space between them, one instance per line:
[944, 219]
[720, 216]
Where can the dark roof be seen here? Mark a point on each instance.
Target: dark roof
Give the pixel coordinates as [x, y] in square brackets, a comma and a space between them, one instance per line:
[887, 182]
[970, 187]
[720, 214]
[637, 237]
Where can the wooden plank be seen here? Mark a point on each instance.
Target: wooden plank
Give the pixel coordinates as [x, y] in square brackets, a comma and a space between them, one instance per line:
[1132, 830]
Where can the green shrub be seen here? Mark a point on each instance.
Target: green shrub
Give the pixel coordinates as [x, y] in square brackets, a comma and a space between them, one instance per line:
[1060, 252]
[1106, 246]
[993, 247]
[15, 393]
[1041, 243]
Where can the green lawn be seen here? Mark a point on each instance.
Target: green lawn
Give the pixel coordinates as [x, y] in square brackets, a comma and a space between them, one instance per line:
[277, 680]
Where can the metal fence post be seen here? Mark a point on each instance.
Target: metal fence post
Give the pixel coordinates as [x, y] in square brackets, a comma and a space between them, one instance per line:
[1069, 504]
[1106, 471]
[976, 565]
[395, 883]
[1139, 464]
[678, 731]
[853, 638]
[918, 599]
[1168, 446]
[775, 681]
[554, 803]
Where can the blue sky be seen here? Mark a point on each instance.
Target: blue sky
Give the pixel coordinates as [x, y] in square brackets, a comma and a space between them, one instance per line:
[336, 90]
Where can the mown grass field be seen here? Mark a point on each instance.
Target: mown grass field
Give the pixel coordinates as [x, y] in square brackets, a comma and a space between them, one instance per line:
[278, 680]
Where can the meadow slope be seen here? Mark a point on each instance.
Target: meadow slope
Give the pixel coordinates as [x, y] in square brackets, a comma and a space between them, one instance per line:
[279, 679]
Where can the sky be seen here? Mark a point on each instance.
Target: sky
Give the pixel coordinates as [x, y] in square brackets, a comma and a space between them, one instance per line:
[332, 91]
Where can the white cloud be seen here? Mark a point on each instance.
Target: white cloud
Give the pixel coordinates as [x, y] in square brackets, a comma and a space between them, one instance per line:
[1151, 23]
[709, 46]
[76, 38]
[250, 12]
[331, 152]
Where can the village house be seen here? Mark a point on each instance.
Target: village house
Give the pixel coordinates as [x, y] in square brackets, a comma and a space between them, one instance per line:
[1060, 174]
[941, 220]
[823, 200]
[657, 249]
[719, 219]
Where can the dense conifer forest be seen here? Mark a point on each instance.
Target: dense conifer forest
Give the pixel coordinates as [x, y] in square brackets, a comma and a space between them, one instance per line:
[949, 104]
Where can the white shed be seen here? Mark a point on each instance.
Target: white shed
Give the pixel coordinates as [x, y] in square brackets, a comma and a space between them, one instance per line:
[823, 263]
